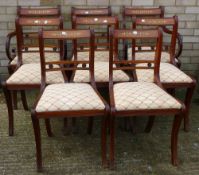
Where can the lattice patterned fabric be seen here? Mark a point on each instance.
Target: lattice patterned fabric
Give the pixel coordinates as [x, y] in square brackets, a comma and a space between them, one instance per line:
[31, 74]
[70, 96]
[99, 56]
[165, 57]
[168, 74]
[142, 95]
[34, 57]
[101, 74]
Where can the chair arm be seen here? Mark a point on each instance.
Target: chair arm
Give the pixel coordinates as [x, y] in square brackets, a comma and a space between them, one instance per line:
[8, 41]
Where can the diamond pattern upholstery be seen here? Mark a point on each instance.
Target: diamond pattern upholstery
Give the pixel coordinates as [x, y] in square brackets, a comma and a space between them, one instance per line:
[31, 74]
[101, 74]
[142, 95]
[70, 96]
[168, 74]
[99, 56]
[34, 57]
[150, 55]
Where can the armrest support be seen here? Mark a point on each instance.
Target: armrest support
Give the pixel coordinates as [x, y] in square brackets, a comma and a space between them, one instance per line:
[8, 41]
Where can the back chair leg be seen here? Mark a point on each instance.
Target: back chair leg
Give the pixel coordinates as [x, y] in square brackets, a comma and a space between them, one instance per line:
[112, 142]
[24, 100]
[36, 127]
[90, 125]
[8, 98]
[150, 123]
[189, 95]
[48, 127]
[174, 138]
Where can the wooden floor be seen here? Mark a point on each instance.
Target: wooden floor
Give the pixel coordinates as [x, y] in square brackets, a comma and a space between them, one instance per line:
[79, 153]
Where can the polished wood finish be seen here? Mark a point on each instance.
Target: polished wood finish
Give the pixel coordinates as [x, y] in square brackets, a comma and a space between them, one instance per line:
[115, 35]
[63, 35]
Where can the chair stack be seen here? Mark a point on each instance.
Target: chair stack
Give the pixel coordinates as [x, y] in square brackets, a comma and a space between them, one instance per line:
[141, 81]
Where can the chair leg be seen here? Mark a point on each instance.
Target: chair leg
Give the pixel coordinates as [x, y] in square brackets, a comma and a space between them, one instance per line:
[189, 95]
[8, 98]
[149, 124]
[103, 141]
[112, 142]
[90, 125]
[14, 97]
[37, 133]
[24, 100]
[48, 127]
[174, 138]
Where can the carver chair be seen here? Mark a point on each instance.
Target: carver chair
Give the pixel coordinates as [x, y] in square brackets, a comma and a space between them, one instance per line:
[30, 47]
[69, 98]
[27, 76]
[131, 14]
[171, 76]
[129, 99]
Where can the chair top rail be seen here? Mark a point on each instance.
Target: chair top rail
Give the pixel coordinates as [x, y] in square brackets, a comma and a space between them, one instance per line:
[101, 20]
[140, 11]
[103, 11]
[38, 11]
[39, 21]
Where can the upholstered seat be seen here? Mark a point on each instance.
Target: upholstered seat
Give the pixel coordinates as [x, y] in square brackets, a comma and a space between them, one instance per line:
[149, 55]
[99, 56]
[168, 74]
[101, 74]
[31, 74]
[69, 96]
[34, 57]
[142, 95]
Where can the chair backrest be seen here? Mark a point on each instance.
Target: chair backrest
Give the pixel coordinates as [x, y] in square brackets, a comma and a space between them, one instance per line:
[39, 11]
[64, 65]
[22, 22]
[131, 65]
[90, 22]
[138, 12]
[164, 23]
[102, 11]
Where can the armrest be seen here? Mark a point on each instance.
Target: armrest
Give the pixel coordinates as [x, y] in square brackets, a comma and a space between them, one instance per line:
[8, 40]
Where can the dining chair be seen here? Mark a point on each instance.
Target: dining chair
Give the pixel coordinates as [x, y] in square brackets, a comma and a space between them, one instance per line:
[101, 59]
[171, 76]
[27, 12]
[27, 75]
[131, 14]
[68, 98]
[130, 99]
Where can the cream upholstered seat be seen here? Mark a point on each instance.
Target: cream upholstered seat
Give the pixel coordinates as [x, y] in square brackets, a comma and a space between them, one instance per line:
[168, 74]
[34, 57]
[142, 95]
[69, 96]
[101, 74]
[149, 55]
[31, 74]
[99, 55]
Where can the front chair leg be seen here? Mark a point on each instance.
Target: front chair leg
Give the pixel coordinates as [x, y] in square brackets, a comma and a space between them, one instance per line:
[48, 127]
[24, 100]
[90, 125]
[112, 142]
[103, 141]
[8, 98]
[189, 95]
[14, 99]
[149, 124]
[36, 127]
[174, 138]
